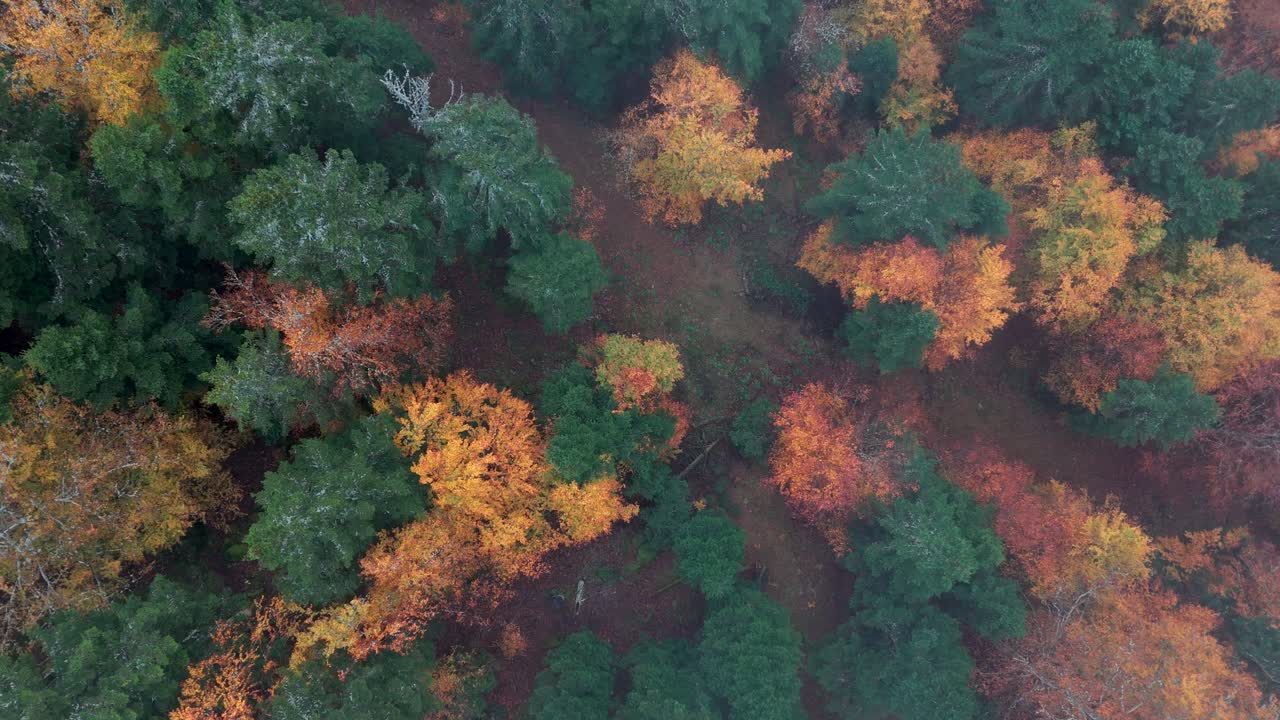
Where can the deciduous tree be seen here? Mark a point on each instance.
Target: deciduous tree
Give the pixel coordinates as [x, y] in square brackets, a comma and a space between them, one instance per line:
[693, 141]
[1090, 364]
[91, 55]
[638, 371]
[1198, 17]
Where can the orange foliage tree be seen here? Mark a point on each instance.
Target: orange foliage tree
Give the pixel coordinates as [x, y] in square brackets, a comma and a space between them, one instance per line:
[967, 288]
[87, 53]
[498, 509]
[83, 494]
[815, 103]
[1219, 315]
[1245, 444]
[693, 141]
[832, 457]
[236, 680]
[1135, 654]
[360, 347]
[1196, 17]
[917, 97]
[1243, 155]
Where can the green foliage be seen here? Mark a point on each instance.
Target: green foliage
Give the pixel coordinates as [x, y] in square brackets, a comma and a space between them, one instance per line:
[557, 278]
[744, 36]
[907, 185]
[916, 669]
[387, 686]
[749, 655]
[577, 683]
[531, 40]
[588, 438]
[709, 550]
[123, 662]
[752, 429]
[1166, 410]
[876, 65]
[1032, 61]
[494, 174]
[334, 221]
[1197, 203]
[151, 350]
[617, 45]
[264, 84]
[926, 563]
[665, 684]
[260, 393]
[1258, 226]
[321, 510]
[1257, 640]
[891, 336]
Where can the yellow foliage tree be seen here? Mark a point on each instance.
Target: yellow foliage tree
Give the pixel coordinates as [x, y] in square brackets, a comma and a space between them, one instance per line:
[1196, 17]
[1219, 315]
[1244, 153]
[918, 98]
[693, 141]
[87, 53]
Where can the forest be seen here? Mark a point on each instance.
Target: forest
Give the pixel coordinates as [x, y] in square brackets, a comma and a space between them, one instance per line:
[640, 359]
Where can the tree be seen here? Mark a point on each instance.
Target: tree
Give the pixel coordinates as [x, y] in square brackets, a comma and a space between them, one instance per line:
[123, 661]
[577, 683]
[890, 336]
[709, 553]
[150, 351]
[907, 185]
[1199, 17]
[493, 174]
[90, 55]
[1141, 654]
[752, 430]
[259, 391]
[321, 510]
[387, 686]
[85, 494]
[917, 98]
[749, 655]
[531, 41]
[349, 346]
[665, 684]
[830, 461]
[876, 66]
[1167, 410]
[334, 221]
[267, 84]
[746, 36]
[1219, 314]
[1089, 364]
[1032, 61]
[638, 371]
[1246, 440]
[693, 141]
[557, 278]
[1197, 202]
[1258, 227]
[1086, 235]
[498, 509]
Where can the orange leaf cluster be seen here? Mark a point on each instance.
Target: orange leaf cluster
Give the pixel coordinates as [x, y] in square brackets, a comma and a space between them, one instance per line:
[238, 678]
[918, 98]
[1247, 148]
[87, 53]
[498, 510]
[831, 458]
[83, 494]
[967, 288]
[1196, 17]
[901, 20]
[693, 141]
[1136, 654]
[361, 347]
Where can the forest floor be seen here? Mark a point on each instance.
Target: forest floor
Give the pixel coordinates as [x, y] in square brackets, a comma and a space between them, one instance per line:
[747, 324]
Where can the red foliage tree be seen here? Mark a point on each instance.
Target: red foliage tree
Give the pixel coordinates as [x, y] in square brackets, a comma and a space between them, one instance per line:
[361, 347]
[1245, 444]
[1090, 364]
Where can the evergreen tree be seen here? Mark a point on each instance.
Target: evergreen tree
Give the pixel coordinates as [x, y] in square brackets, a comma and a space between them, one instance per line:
[709, 551]
[749, 656]
[557, 278]
[141, 354]
[752, 429]
[334, 221]
[1258, 226]
[324, 508]
[577, 683]
[665, 684]
[1033, 61]
[908, 185]
[1165, 410]
[746, 37]
[876, 65]
[387, 686]
[891, 336]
